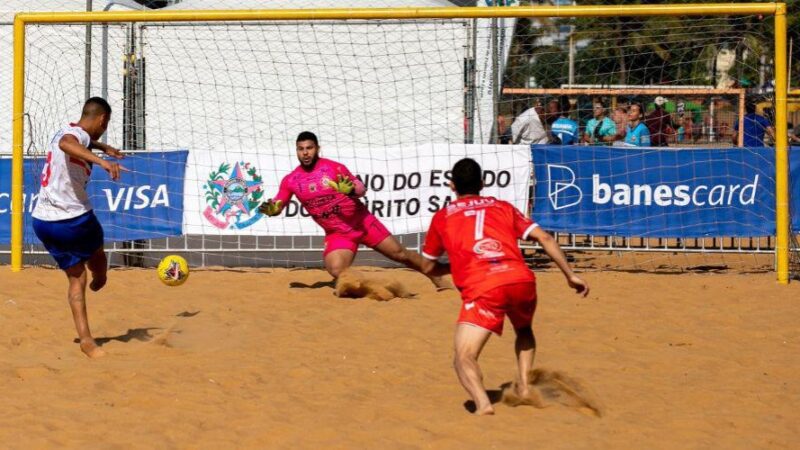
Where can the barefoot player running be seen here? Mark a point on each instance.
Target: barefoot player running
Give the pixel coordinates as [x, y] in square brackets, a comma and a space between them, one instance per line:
[330, 193]
[480, 236]
[63, 218]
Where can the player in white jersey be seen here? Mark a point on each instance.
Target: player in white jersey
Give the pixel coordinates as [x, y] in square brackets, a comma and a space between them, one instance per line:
[63, 218]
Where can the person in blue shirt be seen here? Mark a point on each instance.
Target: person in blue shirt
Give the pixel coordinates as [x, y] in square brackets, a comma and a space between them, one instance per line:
[564, 130]
[637, 133]
[755, 126]
[600, 130]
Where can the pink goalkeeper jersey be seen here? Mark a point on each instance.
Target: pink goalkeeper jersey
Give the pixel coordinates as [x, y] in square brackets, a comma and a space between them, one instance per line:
[334, 212]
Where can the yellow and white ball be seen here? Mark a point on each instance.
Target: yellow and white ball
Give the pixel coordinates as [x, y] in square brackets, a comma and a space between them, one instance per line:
[173, 270]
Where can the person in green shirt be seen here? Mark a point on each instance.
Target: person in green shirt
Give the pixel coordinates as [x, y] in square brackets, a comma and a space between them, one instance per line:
[600, 130]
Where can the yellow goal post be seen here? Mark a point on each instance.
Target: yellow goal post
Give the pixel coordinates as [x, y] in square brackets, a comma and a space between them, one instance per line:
[778, 10]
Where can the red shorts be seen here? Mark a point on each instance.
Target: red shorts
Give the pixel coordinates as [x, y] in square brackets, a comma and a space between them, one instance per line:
[517, 301]
[371, 233]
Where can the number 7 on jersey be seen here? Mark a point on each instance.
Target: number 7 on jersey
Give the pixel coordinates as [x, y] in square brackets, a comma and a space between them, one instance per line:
[480, 216]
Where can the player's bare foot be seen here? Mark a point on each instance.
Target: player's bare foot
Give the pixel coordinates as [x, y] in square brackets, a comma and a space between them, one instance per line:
[522, 390]
[91, 349]
[98, 281]
[523, 395]
[487, 410]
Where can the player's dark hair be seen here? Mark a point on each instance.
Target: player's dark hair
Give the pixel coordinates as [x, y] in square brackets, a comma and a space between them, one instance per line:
[467, 177]
[563, 105]
[95, 106]
[307, 136]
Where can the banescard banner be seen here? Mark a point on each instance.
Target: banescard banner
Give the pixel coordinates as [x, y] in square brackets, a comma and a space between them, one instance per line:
[406, 185]
[146, 202]
[653, 192]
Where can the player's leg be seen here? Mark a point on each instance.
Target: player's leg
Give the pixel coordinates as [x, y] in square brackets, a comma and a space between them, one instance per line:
[340, 251]
[469, 343]
[391, 248]
[380, 239]
[98, 266]
[76, 275]
[337, 261]
[521, 308]
[525, 349]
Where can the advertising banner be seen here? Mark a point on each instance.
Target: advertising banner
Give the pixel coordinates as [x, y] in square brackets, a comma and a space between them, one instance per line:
[406, 185]
[146, 202]
[656, 192]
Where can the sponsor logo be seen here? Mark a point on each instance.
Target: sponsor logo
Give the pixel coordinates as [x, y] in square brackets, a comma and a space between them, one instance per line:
[469, 305]
[138, 197]
[561, 188]
[232, 195]
[488, 249]
[677, 195]
[563, 192]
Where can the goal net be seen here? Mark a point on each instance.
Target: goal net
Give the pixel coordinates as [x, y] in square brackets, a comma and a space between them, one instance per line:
[209, 111]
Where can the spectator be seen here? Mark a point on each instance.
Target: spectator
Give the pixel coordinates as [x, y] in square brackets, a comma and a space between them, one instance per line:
[600, 129]
[620, 118]
[755, 126]
[659, 123]
[636, 133]
[553, 112]
[793, 137]
[564, 130]
[528, 128]
[503, 130]
[693, 118]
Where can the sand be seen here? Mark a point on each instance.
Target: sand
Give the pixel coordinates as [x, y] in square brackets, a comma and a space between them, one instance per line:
[271, 358]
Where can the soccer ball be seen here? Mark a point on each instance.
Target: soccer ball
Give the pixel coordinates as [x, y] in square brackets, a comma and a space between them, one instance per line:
[173, 270]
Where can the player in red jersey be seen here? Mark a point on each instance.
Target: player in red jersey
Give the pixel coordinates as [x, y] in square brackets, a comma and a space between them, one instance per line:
[480, 237]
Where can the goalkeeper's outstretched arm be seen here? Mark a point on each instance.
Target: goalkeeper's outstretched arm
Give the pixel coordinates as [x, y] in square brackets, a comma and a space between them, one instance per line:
[274, 206]
[271, 207]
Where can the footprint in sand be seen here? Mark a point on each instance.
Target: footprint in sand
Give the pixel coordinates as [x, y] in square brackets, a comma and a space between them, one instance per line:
[38, 371]
[163, 338]
[354, 284]
[549, 387]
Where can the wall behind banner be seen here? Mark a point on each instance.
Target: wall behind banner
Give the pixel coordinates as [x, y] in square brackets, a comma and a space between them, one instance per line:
[662, 193]
[406, 185]
[145, 203]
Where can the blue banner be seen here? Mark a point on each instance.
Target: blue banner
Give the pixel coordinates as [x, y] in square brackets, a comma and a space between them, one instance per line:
[649, 192]
[145, 203]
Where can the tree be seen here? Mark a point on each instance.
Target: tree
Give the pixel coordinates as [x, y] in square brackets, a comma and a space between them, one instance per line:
[648, 50]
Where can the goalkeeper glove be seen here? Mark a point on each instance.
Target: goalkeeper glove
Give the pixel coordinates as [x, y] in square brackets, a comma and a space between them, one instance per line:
[342, 185]
[271, 208]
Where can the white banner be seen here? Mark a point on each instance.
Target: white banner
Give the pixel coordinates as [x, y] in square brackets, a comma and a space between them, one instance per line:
[406, 185]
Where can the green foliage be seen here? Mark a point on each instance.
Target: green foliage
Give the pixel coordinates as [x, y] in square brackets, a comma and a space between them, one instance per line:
[212, 193]
[258, 194]
[647, 50]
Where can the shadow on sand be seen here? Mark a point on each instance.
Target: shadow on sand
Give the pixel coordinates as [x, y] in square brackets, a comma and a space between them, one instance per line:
[133, 334]
[317, 285]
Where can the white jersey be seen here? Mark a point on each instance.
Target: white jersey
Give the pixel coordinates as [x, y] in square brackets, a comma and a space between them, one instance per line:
[528, 129]
[62, 194]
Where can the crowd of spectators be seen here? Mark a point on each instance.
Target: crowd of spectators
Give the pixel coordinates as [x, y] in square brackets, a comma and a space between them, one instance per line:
[660, 123]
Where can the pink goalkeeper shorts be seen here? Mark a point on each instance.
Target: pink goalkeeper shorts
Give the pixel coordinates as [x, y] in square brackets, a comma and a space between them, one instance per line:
[371, 233]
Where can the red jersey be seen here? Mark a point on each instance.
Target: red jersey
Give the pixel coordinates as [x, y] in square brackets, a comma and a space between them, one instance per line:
[480, 236]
